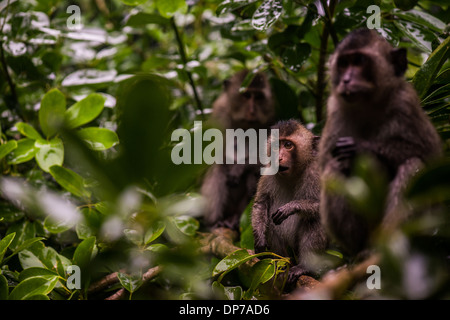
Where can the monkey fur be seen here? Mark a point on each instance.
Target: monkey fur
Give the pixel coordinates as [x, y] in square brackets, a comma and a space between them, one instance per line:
[372, 110]
[228, 188]
[285, 215]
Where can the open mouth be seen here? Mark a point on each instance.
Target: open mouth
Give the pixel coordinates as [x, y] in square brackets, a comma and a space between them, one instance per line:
[282, 168]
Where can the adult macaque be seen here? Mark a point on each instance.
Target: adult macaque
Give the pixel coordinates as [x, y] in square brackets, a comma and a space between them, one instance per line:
[285, 214]
[228, 188]
[372, 110]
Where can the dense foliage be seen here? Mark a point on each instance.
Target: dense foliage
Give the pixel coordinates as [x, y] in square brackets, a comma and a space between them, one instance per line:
[90, 94]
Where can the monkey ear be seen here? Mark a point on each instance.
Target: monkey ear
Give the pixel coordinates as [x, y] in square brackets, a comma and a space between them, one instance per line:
[399, 60]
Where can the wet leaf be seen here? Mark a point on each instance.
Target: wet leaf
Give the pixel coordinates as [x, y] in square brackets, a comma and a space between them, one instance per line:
[267, 14]
[49, 153]
[425, 76]
[232, 261]
[230, 5]
[130, 282]
[24, 152]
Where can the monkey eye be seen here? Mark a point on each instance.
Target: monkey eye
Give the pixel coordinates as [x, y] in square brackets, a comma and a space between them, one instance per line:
[288, 145]
[342, 62]
[259, 95]
[359, 59]
[247, 95]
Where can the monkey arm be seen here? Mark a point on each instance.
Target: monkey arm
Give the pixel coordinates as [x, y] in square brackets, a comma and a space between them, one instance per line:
[305, 208]
[395, 211]
[259, 222]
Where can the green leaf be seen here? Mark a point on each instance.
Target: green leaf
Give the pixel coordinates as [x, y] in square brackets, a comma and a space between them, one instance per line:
[142, 18]
[51, 112]
[36, 272]
[295, 56]
[133, 2]
[24, 245]
[405, 4]
[168, 8]
[99, 138]
[70, 181]
[425, 76]
[154, 231]
[4, 244]
[186, 224]
[3, 288]
[134, 236]
[267, 14]
[38, 255]
[262, 272]
[24, 152]
[230, 5]
[85, 110]
[232, 261]
[129, 282]
[437, 95]
[49, 153]
[84, 252]
[37, 297]
[33, 286]
[28, 131]
[416, 34]
[24, 230]
[53, 226]
[7, 148]
[422, 18]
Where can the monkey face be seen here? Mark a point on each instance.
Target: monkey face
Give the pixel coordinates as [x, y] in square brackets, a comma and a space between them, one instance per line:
[286, 157]
[252, 108]
[354, 79]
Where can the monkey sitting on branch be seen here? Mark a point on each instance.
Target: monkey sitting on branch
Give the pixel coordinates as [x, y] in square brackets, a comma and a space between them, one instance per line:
[285, 215]
[373, 111]
[228, 188]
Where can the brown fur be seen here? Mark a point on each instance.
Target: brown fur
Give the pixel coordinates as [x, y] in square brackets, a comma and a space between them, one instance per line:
[381, 114]
[285, 214]
[228, 188]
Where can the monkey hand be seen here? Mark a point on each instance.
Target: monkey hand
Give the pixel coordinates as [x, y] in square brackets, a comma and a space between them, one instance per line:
[282, 213]
[260, 245]
[344, 152]
[294, 273]
[345, 148]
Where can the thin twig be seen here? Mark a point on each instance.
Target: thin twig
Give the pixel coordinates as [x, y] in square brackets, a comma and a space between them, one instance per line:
[321, 84]
[184, 61]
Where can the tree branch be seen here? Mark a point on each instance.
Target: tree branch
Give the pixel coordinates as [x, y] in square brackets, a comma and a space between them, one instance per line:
[220, 244]
[336, 282]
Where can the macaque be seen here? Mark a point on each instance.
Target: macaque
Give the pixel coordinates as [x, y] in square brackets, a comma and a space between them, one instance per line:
[228, 188]
[373, 111]
[285, 216]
